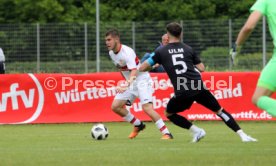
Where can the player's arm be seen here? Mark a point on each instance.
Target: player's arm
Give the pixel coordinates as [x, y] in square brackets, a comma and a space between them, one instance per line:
[245, 32]
[149, 63]
[248, 27]
[200, 67]
[130, 58]
[132, 76]
[155, 66]
[131, 62]
[197, 62]
[148, 56]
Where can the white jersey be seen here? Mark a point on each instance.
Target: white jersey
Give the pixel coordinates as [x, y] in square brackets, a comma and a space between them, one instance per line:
[126, 60]
[2, 56]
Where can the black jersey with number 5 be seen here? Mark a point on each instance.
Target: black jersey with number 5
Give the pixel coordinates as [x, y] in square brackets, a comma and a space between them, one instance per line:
[178, 60]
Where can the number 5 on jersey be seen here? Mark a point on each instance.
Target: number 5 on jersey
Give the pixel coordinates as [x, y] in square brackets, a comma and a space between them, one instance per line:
[178, 59]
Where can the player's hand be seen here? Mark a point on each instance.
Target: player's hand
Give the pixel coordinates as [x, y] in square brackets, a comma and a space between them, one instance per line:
[155, 66]
[233, 53]
[121, 88]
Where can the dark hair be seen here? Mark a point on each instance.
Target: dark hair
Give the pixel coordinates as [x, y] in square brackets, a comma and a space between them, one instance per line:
[113, 32]
[174, 29]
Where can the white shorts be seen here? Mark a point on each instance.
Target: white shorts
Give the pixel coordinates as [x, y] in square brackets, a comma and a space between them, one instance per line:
[142, 89]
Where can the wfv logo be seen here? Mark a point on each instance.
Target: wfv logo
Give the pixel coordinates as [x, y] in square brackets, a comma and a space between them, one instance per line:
[14, 95]
[21, 101]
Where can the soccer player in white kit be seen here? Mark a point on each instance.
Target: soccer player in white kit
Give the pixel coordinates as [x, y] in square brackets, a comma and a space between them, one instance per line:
[137, 85]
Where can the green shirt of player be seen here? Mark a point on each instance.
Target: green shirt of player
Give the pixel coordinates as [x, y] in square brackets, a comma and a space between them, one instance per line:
[268, 8]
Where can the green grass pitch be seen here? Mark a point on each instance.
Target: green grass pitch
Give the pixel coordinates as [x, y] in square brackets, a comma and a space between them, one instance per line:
[71, 144]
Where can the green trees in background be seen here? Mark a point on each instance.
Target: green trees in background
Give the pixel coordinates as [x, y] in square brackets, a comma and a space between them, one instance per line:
[61, 28]
[45, 11]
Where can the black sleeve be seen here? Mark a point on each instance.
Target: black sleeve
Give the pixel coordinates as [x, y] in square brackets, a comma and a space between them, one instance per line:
[156, 57]
[196, 58]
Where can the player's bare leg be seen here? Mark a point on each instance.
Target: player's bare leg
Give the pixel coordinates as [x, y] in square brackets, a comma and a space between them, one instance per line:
[262, 99]
[148, 108]
[118, 106]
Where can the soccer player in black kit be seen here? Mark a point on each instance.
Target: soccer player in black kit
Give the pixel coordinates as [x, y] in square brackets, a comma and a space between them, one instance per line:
[183, 67]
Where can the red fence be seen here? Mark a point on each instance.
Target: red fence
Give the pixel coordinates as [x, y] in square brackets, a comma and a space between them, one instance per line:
[63, 98]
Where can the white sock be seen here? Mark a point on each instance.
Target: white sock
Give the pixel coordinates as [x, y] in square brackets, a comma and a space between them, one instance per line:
[162, 127]
[194, 129]
[130, 118]
[241, 133]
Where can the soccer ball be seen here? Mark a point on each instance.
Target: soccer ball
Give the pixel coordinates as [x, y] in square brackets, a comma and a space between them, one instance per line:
[99, 132]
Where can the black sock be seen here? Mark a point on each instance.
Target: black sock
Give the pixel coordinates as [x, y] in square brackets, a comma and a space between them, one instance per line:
[180, 121]
[229, 120]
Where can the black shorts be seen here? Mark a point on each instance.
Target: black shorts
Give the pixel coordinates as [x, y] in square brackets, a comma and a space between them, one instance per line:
[2, 68]
[181, 103]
